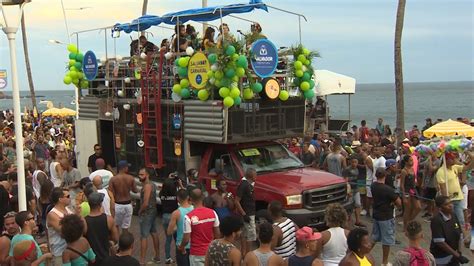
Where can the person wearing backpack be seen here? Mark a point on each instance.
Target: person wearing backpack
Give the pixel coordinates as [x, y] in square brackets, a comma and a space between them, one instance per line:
[414, 255]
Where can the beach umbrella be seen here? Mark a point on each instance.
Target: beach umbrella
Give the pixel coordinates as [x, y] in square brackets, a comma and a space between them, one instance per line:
[67, 112]
[449, 128]
[52, 112]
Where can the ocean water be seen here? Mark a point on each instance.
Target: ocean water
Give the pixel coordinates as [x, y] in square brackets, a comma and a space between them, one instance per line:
[371, 101]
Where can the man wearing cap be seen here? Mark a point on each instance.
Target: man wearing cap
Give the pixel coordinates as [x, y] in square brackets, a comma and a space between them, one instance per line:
[306, 247]
[120, 186]
[100, 228]
[391, 171]
[453, 190]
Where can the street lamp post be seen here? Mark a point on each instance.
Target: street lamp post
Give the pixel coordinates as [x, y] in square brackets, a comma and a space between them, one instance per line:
[12, 11]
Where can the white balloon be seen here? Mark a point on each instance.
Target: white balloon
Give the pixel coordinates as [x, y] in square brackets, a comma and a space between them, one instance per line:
[119, 58]
[214, 67]
[143, 55]
[126, 106]
[212, 80]
[127, 80]
[108, 113]
[175, 97]
[189, 51]
[304, 68]
[120, 93]
[168, 55]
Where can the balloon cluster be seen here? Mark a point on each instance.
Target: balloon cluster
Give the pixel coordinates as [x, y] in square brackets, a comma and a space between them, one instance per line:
[226, 70]
[182, 87]
[439, 147]
[303, 72]
[75, 74]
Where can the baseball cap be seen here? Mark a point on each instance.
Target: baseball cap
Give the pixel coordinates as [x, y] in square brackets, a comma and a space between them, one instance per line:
[306, 234]
[95, 198]
[390, 162]
[122, 164]
[355, 144]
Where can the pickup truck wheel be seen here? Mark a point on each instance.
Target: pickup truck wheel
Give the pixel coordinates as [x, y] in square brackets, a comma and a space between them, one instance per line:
[262, 216]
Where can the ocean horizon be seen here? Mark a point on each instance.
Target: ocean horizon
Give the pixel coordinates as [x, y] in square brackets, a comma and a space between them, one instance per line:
[371, 100]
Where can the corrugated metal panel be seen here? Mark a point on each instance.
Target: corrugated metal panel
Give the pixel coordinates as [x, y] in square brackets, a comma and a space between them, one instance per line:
[89, 107]
[204, 121]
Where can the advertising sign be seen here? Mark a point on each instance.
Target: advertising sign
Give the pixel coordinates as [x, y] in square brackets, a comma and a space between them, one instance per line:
[89, 65]
[3, 79]
[197, 70]
[272, 88]
[264, 58]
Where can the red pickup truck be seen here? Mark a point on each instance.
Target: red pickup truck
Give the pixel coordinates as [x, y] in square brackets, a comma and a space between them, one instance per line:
[305, 192]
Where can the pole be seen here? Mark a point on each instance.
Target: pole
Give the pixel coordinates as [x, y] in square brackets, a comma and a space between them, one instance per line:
[204, 25]
[65, 21]
[11, 34]
[349, 111]
[299, 28]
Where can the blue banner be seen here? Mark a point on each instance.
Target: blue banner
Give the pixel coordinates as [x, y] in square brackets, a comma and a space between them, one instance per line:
[90, 66]
[264, 58]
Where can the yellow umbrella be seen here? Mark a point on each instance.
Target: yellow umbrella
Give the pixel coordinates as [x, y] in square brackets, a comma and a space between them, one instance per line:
[449, 128]
[52, 112]
[67, 112]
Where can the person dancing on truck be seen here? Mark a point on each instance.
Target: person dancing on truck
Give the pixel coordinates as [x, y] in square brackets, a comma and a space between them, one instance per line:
[245, 205]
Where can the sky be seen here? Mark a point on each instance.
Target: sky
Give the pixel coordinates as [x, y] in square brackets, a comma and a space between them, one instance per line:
[355, 38]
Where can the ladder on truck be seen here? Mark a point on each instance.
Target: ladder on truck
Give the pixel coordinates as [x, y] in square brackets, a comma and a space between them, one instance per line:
[151, 82]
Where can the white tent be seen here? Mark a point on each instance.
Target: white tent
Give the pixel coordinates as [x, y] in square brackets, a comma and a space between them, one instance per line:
[327, 83]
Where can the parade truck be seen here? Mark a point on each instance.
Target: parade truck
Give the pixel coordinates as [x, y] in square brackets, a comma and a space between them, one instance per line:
[225, 110]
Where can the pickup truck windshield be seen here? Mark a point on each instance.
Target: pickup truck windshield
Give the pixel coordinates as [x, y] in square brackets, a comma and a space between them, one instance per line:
[269, 158]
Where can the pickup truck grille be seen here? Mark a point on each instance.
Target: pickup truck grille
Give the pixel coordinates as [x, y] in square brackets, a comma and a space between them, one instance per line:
[319, 198]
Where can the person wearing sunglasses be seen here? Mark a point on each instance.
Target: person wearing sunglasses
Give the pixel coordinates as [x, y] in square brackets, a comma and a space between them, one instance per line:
[26, 221]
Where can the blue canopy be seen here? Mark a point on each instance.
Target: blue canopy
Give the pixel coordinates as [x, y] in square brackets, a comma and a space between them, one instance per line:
[198, 14]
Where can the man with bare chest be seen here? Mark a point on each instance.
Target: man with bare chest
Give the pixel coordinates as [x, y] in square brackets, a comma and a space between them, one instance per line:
[222, 200]
[120, 186]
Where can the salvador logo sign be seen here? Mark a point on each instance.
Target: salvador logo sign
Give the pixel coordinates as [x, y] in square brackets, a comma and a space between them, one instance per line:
[264, 58]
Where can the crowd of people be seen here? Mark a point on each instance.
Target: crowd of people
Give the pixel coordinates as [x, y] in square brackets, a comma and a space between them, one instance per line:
[76, 218]
[186, 36]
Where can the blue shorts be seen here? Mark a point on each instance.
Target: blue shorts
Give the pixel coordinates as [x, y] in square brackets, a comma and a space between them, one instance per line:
[384, 231]
[147, 223]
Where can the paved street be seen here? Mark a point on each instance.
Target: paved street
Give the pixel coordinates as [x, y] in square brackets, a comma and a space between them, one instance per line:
[376, 252]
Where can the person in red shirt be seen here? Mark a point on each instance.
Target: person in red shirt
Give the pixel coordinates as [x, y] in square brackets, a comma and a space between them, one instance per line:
[201, 226]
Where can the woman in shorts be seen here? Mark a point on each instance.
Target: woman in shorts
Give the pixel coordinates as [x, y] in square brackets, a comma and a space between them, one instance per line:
[411, 203]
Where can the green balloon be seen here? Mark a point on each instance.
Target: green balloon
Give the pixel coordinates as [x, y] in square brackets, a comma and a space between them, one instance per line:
[309, 94]
[225, 82]
[301, 58]
[67, 80]
[218, 83]
[237, 100]
[235, 57]
[84, 84]
[73, 74]
[240, 71]
[79, 57]
[230, 50]
[248, 94]
[229, 73]
[80, 75]
[185, 93]
[182, 71]
[78, 65]
[176, 62]
[72, 48]
[228, 101]
[242, 61]
[306, 76]
[72, 56]
[72, 62]
[203, 95]
[183, 61]
[184, 83]
[304, 86]
[75, 81]
[224, 92]
[219, 74]
[296, 81]
[177, 88]
[299, 73]
[73, 68]
[234, 93]
[210, 74]
[311, 84]
[307, 62]
[212, 58]
[283, 95]
[257, 87]
[298, 65]
[306, 51]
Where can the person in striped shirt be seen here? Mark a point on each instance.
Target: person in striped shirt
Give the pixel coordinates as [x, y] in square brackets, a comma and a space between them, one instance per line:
[284, 231]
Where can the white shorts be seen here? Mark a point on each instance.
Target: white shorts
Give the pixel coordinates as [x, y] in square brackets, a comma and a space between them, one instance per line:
[357, 201]
[465, 192]
[123, 215]
[368, 191]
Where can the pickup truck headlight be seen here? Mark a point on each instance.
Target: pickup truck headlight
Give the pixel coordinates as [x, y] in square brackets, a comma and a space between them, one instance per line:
[293, 200]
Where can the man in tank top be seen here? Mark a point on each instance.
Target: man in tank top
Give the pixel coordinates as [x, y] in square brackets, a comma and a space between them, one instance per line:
[100, 228]
[176, 225]
[263, 255]
[284, 231]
